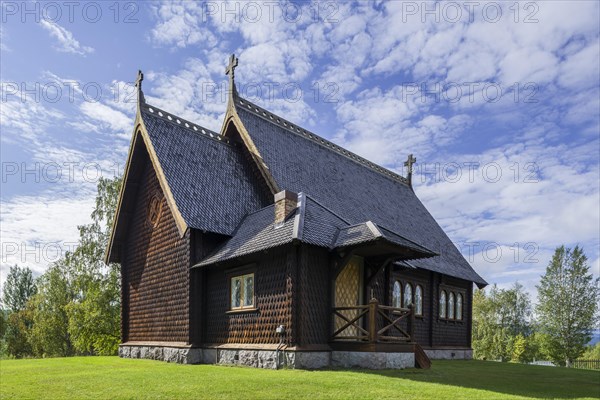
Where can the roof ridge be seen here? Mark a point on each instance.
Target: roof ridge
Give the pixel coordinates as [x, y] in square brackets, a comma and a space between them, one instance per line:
[299, 131]
[298, 232]
[184, 123]
[373, 228]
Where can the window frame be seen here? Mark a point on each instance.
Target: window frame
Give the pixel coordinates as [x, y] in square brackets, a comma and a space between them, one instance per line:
[457, 291]
[457, 316]
[451, 311]
[412, 300]
[399, 283]
[420, 287]
[445, 306]
[241, 272]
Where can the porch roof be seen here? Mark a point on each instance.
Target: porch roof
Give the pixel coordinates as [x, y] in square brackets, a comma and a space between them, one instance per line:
[368, 233]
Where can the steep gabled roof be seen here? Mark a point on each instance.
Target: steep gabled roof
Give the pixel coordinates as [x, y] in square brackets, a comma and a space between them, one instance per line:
[349, 185]
[206, 179]
[209, 184]
[208, 176]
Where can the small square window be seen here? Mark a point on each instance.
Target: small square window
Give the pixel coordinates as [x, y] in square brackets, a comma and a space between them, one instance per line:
[242, 292]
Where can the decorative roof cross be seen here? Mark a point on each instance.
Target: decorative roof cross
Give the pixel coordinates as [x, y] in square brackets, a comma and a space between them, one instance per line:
[230, 70]
[140, 78]
[138, 85]
[409, 165]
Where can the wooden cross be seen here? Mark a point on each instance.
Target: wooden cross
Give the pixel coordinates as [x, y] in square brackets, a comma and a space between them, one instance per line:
[409, 164]
[230, 70]
[140, 78]
[138, 85]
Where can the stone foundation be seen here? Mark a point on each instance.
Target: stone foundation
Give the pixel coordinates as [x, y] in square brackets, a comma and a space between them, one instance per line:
[449, 354]
[181, 355]
[372, 360]
[268, 358]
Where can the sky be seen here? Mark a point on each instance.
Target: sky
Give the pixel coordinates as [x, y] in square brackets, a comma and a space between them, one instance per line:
[498, 101]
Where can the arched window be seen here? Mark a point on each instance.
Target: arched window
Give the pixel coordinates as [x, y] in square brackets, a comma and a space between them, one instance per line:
[407, 295]
[443, 304]
[397, 295]
[451, 305]
[459, 304]
[418, 300]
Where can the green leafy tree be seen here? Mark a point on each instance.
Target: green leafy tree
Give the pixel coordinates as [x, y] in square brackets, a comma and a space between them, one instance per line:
[76, 309]
[515, 310]
[567, 307]
[3, 323]
[94, 314]
[490, 339]
[18, 289]
[537, 346]
[49, 335]
[592, 352]
[18, 327]
[499, 316]
[3, 315]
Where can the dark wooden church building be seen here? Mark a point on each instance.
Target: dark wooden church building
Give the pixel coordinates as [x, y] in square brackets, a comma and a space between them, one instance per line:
[269, 246]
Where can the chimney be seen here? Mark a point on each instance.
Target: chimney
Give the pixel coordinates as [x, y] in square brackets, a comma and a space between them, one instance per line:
[285, 203]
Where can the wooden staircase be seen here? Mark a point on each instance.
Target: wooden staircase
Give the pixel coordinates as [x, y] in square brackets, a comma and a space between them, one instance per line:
[421, 359]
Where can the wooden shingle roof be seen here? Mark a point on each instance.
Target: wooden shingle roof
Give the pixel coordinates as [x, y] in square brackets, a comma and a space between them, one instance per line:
[214, 188]
[350, 186]
[310, 223]
[207, 174]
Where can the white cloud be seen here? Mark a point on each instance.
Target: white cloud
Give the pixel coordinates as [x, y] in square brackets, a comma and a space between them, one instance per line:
[110, 118]
[23, 115]
[541, 205]
[66, 41]
[36, 230]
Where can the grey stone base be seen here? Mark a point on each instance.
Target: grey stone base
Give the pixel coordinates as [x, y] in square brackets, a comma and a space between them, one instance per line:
[269, 359]
[372, 360]
[181, 355]
[449, 354]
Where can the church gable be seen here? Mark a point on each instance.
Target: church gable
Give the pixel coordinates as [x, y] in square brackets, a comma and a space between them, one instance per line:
[209, 176]
[156, 266]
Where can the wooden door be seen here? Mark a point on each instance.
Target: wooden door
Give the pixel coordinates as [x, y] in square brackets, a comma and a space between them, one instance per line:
[348, 292]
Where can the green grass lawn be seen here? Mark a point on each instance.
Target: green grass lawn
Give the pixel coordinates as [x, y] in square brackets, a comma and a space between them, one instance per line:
[115, 378]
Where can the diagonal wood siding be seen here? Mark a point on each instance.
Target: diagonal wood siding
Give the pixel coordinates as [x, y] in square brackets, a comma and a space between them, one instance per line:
[155, 271]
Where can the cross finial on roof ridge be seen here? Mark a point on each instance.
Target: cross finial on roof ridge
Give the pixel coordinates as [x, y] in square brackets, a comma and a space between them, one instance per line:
[138, 85]
[139, 79]
[409, 165]
[230, 70]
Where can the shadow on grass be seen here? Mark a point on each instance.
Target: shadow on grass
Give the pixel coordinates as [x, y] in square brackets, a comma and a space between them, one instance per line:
[532, 381]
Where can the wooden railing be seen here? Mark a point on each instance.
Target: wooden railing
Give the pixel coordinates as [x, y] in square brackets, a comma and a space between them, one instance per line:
[374, 323]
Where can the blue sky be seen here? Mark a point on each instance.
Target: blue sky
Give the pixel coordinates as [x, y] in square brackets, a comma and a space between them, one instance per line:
[499, 102]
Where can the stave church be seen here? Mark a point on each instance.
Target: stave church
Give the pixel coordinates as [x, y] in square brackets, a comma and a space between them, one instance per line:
[266, 245]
